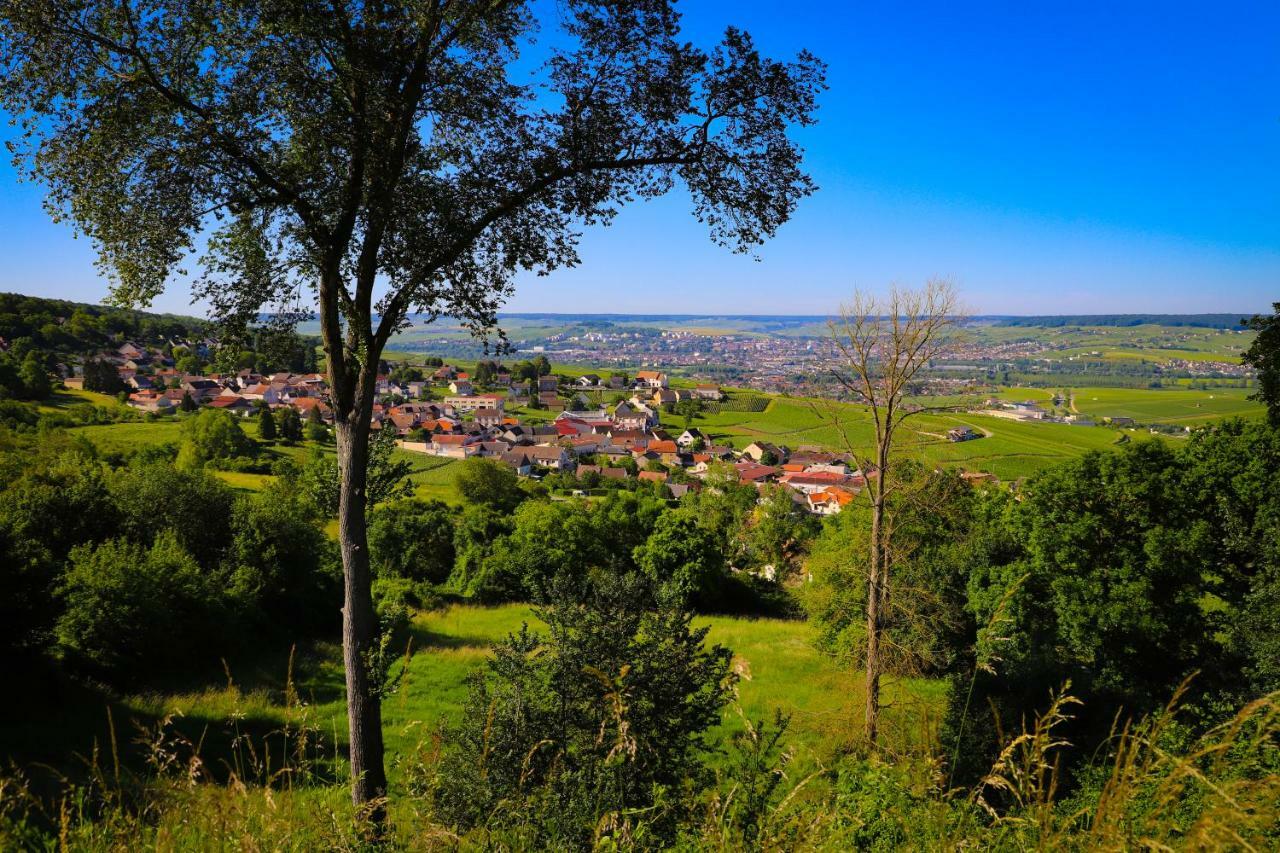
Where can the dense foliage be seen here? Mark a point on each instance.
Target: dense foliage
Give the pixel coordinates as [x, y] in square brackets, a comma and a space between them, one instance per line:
[134, 573]
[1264, 356]
[602, 720]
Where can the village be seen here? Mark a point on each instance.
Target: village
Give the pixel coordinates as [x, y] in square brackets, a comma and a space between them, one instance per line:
[447, 412]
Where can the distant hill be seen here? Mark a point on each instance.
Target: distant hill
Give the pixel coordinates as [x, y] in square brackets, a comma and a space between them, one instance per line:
[1208, 321]
[62, 326]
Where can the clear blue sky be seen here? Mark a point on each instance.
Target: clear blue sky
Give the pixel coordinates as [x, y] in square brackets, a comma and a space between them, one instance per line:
[1081, 158]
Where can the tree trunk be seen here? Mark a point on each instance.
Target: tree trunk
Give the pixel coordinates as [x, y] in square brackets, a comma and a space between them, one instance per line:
[876, 583]
[872, 714]
[360, 630]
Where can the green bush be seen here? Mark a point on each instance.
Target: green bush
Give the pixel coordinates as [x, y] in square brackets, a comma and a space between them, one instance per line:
[132, 612]
[413, 539]
[213, 437]
[601, 723]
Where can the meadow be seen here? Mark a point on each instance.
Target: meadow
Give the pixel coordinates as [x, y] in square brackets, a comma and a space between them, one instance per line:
[1009, 449]
[1183, 407]
[777, 665]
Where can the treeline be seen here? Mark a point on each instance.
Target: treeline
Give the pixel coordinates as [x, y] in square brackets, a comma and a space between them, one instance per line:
[61, 327]
[139, 571]
[1208, 321]
[1122, 573]
[510, 542]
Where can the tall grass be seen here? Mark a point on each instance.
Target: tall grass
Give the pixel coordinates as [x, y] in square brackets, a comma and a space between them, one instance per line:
[1153, 788]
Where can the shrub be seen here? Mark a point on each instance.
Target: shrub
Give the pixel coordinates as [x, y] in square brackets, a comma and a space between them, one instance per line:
[213, 437]
[132, 612]
[413, 539]
[600, 723]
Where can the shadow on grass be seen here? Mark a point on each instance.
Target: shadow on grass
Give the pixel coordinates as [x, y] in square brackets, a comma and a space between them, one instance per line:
[58, 728]
[424, 639]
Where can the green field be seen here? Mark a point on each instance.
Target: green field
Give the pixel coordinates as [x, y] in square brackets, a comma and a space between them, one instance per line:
[775, 659]
[1184, 407]
[1011, 449]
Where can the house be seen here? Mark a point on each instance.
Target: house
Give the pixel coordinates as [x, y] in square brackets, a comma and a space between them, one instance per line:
[664, 397]
[416, 388]
[650, 379]
[130, 350]
[305, 405]
[1120, 421]
[634, 416]
[628, 439]
[519, 460]
[492, 449]
[233, 403]
[962, 433]
[150, 401]
[708, 392]
[829, 501]
[488, 417]
[653, 476]
[272, 395]
[973, 477]
[679, 490]
[691, 436]
[551, 401]
[759, 451]
[589, 417]
[547, 383]
[816, 481]
[1030, 411]
[461, 387]
[201, 389]
[445, 373]
[582, 445]
[454, 446]
[668, 452]
[750, 472]
[587, 380]
[549, 456]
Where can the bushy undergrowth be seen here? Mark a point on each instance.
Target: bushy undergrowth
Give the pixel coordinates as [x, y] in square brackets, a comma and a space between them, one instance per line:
[508, 782]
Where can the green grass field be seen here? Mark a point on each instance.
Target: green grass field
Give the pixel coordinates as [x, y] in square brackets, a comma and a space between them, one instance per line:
[1184, 407]
[775, 659]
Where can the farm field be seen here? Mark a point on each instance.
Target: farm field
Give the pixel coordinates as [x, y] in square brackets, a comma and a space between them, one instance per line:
[1126, 343]
[1010, 449]
[1184, 407]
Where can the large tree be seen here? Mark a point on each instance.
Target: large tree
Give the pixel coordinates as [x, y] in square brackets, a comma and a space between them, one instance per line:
[370, 159]
[1264, 356]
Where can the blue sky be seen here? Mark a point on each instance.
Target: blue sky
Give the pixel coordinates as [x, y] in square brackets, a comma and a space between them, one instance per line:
[1072, 158]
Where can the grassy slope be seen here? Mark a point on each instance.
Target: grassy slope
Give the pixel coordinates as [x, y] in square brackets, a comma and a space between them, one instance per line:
[778, 665]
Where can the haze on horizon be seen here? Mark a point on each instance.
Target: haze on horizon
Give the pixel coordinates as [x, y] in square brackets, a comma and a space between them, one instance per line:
[1083, 160]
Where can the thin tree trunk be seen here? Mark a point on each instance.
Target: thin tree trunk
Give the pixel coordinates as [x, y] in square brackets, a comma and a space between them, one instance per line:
[360, 631]
[876, 585]
[872, 713]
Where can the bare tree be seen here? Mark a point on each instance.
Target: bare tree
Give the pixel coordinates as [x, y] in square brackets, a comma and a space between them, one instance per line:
[878, 347]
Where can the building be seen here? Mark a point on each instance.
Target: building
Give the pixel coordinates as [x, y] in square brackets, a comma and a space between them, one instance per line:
[454, 446]
[651, 379]
[469, 403]
[962, 433]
